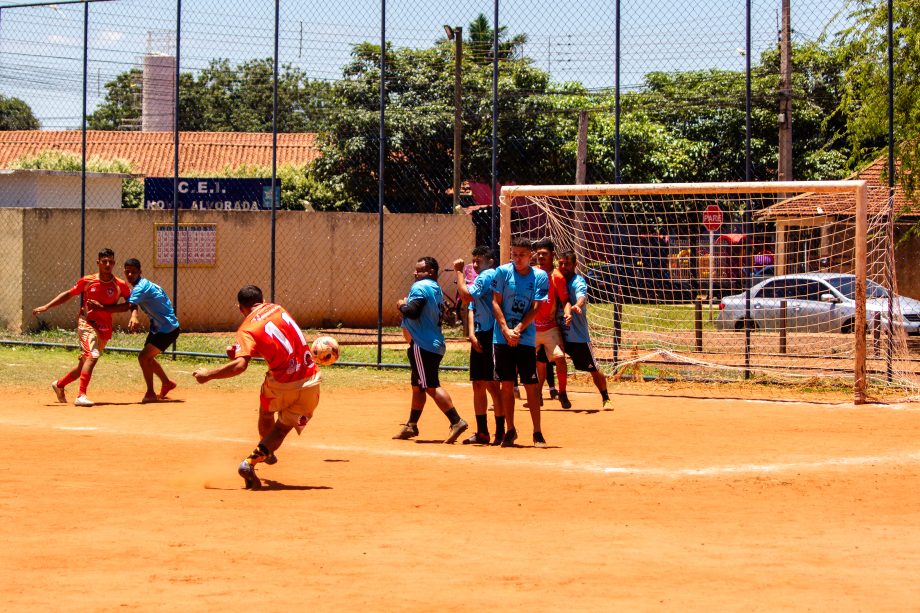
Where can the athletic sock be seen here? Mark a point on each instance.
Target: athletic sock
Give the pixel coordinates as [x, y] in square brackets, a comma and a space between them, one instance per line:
[605, 396]
[84, 382]
[452, 415]
[259, 454]
[482, 423]
[66, 380]
[414, 416]
[499, 425]
[563, 381]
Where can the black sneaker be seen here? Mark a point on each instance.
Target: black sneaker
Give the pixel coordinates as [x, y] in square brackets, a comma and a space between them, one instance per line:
[480, 438]
[509, 438]
[271, 459]
[564, 400]
[538, 440]
[499, 437]
[553, 393]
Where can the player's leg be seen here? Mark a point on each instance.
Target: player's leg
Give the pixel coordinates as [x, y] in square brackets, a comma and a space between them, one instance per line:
[556, 355]
[417, 403]
[562, 369]
[551, 380]
[147, 361]
[92, 344]
[527, 368]
[431, 363]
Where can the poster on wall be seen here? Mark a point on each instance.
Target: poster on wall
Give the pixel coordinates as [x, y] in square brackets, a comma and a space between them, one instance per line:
[197, 244]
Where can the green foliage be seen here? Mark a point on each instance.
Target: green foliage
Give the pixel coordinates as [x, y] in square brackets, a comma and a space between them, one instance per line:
[300, 190]
[223, 98]
[132, 190]
[864, 100]
[16, 115]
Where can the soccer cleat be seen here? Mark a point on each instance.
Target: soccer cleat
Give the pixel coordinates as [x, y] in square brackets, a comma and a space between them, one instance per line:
[59, 392]
[606, 404]
[148, 398]
[480, 438]
[408, 431]
[509, 438]
[455, 431]
[553, 393]
[271, 460]
[538, 440]
[248, 472]
[564, 400]
[166, 388]
[83, 401]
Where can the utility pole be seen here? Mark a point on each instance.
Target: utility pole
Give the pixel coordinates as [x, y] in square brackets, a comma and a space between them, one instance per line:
[784, 172]
[456, 33]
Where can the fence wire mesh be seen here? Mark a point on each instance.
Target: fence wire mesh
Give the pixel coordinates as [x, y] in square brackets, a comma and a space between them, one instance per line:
[291, 94]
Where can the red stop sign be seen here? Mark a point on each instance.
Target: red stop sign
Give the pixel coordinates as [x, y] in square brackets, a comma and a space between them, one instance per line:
[712, 217]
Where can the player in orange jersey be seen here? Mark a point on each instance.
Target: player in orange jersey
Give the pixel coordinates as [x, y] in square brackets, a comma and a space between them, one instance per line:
[291, 386]
[549, 336]
[94, 325]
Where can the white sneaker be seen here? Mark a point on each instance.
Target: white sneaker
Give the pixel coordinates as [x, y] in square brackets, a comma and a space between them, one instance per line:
[83, 401]
[58, 391]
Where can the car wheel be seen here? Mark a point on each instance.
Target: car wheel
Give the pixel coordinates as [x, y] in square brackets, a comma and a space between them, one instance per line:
[740, 324]
[847, 327]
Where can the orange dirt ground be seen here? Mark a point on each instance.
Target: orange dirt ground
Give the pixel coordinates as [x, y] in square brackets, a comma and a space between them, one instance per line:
[666, 503]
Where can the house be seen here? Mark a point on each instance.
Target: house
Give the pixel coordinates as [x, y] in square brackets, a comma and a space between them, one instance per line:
[814, 232]
[59, 189]
[152, 153]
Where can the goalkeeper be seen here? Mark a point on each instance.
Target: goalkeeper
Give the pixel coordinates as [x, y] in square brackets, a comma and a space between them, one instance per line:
[577, 339]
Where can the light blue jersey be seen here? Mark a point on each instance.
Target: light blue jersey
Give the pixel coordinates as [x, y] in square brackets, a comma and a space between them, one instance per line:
[481, 306]
[518, 295]
[577, 332]
[153, 301]
[426, 328]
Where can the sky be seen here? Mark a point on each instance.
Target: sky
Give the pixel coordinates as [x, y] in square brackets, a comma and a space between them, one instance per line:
[41, 48]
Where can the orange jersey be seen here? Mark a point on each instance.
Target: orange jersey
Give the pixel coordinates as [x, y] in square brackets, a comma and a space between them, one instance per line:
[270, 333]
[103, 292]
[558, 294]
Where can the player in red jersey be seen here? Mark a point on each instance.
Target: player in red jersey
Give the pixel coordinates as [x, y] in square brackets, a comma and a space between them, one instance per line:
[94, 326]
[291, 386]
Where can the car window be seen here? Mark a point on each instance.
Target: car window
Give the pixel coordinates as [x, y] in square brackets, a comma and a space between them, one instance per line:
[768, 290]
[806, 289]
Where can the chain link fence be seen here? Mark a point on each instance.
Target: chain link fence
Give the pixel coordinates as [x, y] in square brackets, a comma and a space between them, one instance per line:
[380, 160]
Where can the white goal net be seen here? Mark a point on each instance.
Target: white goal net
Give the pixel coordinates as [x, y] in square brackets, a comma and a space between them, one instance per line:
[731, 281]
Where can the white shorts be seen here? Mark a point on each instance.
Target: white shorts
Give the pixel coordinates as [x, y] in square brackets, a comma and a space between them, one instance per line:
[551, 341]
[292, 401]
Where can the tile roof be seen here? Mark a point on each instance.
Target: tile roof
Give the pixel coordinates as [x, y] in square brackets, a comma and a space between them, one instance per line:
[812, 205]
[151, 153]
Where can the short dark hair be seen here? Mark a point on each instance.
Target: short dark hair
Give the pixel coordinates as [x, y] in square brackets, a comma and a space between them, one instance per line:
[484, 252]
[133, 262]
[431, 264]
[521, 241]
[248, 296]
[106, 252]
[544, 243]
[568, 254]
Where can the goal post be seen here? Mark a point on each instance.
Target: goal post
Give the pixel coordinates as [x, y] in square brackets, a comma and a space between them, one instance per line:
[785, 263]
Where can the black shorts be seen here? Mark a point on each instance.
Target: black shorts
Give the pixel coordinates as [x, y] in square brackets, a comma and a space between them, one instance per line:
[582, 355]
[162, 340]
[482, 363]
[424, 367]
[513, 362]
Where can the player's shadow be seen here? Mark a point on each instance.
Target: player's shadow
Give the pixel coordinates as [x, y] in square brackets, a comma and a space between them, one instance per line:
[581, 411]
[164, 401]
[272, 485]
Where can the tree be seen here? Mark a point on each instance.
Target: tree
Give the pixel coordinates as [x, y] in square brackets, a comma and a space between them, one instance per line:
[16, 115]
[223, 98]
[864, 100]
[481, 41]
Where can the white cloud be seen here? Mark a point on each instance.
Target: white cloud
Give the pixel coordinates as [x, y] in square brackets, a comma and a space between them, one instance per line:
[109, 38]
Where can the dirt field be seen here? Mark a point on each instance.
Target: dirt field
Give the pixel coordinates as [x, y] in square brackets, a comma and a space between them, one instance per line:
[666, 503]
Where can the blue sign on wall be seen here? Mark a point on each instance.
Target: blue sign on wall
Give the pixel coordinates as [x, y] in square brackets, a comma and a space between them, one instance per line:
[212, 194]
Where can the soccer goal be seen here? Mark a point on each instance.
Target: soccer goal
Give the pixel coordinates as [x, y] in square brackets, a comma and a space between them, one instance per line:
[726, 281]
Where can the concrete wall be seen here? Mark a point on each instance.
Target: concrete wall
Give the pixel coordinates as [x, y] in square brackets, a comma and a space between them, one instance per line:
[11, 268]
[31, 189]
[326, 264]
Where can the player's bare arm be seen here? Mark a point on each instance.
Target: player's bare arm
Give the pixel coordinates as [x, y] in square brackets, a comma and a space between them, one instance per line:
[234, 367]
[462, 288]
[511, 336]
[58, 300]
[471, 333]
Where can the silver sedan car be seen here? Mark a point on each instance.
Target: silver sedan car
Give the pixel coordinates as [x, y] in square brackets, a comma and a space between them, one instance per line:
[815, 302]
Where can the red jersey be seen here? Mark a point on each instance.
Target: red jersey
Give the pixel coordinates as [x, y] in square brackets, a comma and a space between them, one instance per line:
[558, 294]
[103, 292]
[270, 333]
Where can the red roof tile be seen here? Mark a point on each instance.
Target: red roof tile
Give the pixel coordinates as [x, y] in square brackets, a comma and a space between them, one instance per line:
[151, 153]
[812, 205]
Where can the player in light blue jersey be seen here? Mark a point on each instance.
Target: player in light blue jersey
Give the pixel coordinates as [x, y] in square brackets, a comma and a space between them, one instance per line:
[576, 335]
[516, 291]
[164, 326]
[421, 324]
[478, 295]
